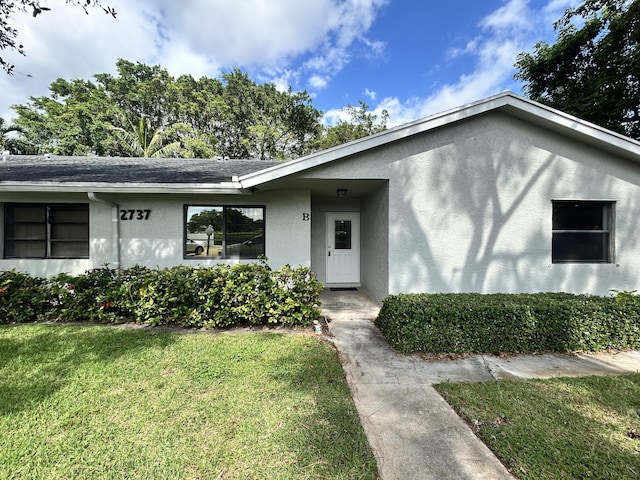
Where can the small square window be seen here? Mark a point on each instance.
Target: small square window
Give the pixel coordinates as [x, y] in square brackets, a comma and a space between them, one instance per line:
[582, 232]
[46, 231]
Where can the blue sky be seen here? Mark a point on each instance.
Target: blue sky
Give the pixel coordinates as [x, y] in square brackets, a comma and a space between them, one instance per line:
[410, 57]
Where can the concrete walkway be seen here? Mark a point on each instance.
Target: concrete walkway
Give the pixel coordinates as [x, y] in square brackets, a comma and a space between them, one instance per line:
[412, 431]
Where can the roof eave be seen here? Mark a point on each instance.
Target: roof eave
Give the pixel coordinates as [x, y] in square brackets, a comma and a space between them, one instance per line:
[554, 119]
[83, 187]
[387, 136]
[561, 122]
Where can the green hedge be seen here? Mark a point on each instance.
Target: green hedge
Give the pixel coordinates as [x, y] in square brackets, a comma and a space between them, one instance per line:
[510, 323]
[220, 296]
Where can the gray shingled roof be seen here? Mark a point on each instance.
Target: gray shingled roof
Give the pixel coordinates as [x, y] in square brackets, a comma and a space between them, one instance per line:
[59, 169]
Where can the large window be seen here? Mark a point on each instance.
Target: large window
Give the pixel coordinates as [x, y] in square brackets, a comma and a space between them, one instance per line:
[39, 230]
[582, 232]
[224, 231]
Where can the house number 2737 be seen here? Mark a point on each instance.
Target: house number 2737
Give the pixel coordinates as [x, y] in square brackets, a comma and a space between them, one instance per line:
[135, 214]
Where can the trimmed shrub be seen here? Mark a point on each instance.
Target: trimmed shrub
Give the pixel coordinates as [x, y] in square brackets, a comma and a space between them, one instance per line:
[509, 323]
[22, 297]
[75, 298]
[221, 296]
[296, 294]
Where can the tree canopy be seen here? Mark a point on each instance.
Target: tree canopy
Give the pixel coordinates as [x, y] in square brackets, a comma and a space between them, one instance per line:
[361, 123]
[7, 141]
[142, 140]
[593, 69]
[144, 111]
[9, 34]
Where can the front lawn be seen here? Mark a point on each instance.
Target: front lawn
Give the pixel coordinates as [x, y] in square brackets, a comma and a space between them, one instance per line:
[563, 428]
[103, 402]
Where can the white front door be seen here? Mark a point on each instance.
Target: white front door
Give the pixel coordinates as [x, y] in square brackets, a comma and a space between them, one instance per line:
[343, 248]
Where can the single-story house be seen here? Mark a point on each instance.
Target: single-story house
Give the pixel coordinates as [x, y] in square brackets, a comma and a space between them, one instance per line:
[501, 195]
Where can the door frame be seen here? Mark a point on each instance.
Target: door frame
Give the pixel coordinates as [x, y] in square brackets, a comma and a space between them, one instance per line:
[355, 237]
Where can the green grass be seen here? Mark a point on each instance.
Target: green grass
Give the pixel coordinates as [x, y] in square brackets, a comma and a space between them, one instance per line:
[563, 428]
[102, 402]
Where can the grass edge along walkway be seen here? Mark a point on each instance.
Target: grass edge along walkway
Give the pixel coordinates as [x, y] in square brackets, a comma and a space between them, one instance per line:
[102, 402]
[559, 428]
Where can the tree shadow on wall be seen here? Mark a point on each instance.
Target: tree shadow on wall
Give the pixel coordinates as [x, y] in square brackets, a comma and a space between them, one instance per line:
[477, 186]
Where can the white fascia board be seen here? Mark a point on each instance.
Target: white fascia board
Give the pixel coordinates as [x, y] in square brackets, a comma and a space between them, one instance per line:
[197, 188]
[372, 141]
[560, 121]
[553, 119]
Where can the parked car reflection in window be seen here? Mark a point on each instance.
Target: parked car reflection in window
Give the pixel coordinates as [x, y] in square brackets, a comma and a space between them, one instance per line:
[224, 231]
[251, 248]
[194, 248]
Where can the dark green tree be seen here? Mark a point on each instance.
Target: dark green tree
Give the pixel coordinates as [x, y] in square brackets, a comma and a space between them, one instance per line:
[9, 142]
[141, 139]
[141, 91]
[233, 117]
[361, 123]
[593, 69]
[72, 120]
[259, 121]
[198, 222]
[196, 115]
[238, 222]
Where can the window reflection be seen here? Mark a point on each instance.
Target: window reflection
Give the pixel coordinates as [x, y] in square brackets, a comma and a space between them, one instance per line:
[343, 234]
[224, 232]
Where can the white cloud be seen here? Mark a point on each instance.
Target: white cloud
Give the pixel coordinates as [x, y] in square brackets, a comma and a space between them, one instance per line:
[269, 36]
[245, 32]
[376, 48]
[318, 82]
[289, 42]
[555, 8]
[67, 43]
[179, 59]
[509, 30]
[282, 80]
[470, 48]
[335, 115]
[298, 41]
[511, 19]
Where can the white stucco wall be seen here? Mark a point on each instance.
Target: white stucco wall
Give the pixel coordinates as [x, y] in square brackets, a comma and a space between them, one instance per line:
[462, 208]
[158, 241]
[288, 227]
[478, 212]
[470, 208]
[374, 222]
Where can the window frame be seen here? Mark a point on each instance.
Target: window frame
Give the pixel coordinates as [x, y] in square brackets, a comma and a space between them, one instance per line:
[606, 231]
[48, 237]
[224, 255]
